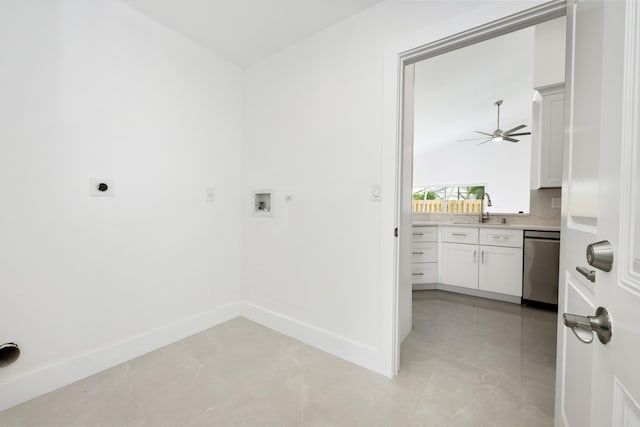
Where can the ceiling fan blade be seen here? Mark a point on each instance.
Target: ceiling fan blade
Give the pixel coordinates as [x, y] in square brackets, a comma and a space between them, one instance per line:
[506, 138]
[485, 141]
[484, 133]
[519, 134]
[515, 129]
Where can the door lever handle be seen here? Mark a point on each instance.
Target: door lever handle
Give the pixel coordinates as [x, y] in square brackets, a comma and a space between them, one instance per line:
[584, 326]
[589, 274]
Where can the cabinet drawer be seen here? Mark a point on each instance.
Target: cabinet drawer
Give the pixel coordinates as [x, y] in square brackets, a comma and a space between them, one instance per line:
[424, 234]
[424, 273]
[459, 235]
[501, 237]
[424, 252]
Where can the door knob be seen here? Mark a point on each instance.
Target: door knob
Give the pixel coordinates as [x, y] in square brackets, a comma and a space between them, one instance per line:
[584, 326]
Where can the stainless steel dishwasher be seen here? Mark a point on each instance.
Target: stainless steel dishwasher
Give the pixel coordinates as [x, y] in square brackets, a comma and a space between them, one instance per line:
[541, 268]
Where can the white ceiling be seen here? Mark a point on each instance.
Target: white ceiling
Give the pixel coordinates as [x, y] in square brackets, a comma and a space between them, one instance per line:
[246, 31]
[455, 92]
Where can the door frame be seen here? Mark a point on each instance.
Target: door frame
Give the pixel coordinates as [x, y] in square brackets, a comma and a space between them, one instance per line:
[396, 59]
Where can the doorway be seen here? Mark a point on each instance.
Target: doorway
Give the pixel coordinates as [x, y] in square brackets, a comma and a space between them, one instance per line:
[597, 384]
[461, 188]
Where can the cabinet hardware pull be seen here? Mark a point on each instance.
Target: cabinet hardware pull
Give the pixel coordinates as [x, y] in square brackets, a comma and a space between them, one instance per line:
[417, 253]
[417, 274]
[459, 234]
[482, 257]
[475, 257]
[417, 234]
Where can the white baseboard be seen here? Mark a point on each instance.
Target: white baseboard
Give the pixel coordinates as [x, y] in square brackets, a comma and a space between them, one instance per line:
[40, 381]
[32, 384]
[425, 287]
[345, 348]
[466, 291]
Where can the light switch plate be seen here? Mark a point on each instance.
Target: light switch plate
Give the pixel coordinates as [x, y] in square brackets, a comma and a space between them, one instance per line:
[555, 202]
[97, 187]
[375, 193]
[210, 194]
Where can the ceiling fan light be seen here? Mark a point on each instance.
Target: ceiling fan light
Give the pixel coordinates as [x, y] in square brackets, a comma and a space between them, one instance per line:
[497, 139]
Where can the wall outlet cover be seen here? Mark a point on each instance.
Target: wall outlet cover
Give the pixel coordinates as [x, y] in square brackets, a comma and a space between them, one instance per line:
[375, 192]
[99, 187]
[210, 194]
[556, 202]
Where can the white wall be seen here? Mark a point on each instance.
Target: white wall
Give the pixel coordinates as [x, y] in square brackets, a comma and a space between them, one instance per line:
[550, 52]
[94, 89]
[456, 91]
[455, 95]
[322, 267]
[504, 167]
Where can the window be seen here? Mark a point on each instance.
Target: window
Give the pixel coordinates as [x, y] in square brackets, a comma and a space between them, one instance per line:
[453, 199]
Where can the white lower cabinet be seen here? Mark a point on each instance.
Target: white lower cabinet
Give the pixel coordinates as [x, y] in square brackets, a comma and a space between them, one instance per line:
[490, 259]
[424, 255]
[459, 265]
[501, 270]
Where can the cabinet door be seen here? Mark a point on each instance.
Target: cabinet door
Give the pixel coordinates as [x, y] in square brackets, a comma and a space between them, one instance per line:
[501, 270]
[548, 138]
[459, 265]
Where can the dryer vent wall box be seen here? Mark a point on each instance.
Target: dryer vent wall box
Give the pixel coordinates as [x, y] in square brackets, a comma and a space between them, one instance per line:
[262, 203]
[101, 187]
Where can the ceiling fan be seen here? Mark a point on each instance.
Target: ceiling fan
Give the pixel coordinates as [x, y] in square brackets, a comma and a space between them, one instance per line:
[499, 134]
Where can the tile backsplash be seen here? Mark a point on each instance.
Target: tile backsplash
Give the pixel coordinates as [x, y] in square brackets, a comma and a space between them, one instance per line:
[541, 212]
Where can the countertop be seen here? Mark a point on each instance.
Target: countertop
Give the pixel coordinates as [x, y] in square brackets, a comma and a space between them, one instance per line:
[488, 225]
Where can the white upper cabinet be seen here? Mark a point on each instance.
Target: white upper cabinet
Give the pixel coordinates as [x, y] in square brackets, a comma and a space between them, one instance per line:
[547, 136]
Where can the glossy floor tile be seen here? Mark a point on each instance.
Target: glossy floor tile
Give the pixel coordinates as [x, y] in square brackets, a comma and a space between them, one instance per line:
[467, 362]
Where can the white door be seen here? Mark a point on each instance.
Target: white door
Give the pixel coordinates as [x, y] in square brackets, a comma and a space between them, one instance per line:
[597, 384]
[405, 225]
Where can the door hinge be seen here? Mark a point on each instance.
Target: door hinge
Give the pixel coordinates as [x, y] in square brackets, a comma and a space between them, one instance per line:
[395, 232]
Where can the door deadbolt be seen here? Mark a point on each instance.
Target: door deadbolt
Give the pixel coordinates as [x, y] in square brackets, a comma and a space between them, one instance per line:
[600, 255]
[584, 326]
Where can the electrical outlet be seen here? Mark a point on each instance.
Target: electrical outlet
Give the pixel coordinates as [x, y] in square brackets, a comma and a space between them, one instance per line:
[99, 187]
[210, 194]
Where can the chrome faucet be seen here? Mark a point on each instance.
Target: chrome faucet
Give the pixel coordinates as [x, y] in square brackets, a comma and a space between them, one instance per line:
[484, 217]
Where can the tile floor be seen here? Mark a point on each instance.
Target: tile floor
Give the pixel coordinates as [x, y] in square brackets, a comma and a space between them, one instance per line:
[468, 362]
